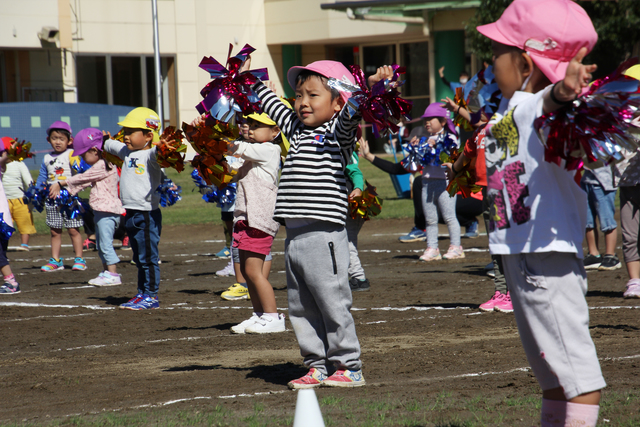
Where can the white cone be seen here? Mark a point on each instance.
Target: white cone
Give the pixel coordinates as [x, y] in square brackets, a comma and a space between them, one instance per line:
[307, 410]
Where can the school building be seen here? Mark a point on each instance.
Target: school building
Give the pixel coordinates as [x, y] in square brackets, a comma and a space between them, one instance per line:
[100, 52]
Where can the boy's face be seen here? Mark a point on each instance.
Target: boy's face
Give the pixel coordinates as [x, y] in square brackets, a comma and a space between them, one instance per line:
[260, 132]
[59, 141]
[507, 68]
[136, 139]
[314, 105]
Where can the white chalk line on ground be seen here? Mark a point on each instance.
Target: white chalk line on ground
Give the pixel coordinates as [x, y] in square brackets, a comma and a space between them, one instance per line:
[404, 234]
[270, 392]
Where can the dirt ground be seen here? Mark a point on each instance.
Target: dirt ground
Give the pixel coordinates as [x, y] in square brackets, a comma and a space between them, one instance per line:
[66, 348]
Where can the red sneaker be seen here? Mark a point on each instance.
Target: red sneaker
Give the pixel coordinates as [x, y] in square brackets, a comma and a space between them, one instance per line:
[345, 378]
[314, 378]
[125, 244]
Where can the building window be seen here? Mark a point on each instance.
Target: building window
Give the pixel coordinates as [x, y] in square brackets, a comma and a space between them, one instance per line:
[92, 79]
[127, 80]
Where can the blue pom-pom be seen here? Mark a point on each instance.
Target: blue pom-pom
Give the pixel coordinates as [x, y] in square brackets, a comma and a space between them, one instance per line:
[5, 229]
[168, 194]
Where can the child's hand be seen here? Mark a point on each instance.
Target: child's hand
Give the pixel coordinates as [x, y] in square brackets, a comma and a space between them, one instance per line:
[577, 77]
[441, 71]
[198, 121]
[384, 72]
[247, 65]
[271, 85]
[355, 193]
[106, 136]
[448, 171]
[54, 190]
[364, 149]
[449, 104]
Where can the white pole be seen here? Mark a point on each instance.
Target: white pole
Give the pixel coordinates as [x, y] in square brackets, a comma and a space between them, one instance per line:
[158, 69]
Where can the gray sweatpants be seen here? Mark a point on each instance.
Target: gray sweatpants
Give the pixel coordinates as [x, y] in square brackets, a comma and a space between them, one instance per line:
[355, 267]
[317, 263]
[434, 197]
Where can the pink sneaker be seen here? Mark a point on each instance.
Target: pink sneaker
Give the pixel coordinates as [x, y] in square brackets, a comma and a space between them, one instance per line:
[504, 305]
[431, 254]
[454, 252]
[489, 305]
[633, 289]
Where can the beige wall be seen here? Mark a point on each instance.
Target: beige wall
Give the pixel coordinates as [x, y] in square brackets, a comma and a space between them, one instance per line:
[191, 29]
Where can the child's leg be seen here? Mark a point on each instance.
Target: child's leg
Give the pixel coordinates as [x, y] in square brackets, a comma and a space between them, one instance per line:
[320, 301]
[592, 241]
[355, 267]
[143, 229]
[630, 221]
[106, 224]
[76, 240]
[590, 234]
[56, 242]
[266, 267]
[430, 211]
[552, 314]
[447, 206]
[262, 297]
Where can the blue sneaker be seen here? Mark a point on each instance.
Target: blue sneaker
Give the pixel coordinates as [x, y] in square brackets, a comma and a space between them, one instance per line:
[415, 235]
[132, 301]
[147, 303]
[225, 253]
[472, 231]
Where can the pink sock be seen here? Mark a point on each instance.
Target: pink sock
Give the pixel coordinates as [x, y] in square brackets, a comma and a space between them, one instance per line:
[113, 274]
[557, 413]
[274, 315]
[10, 279]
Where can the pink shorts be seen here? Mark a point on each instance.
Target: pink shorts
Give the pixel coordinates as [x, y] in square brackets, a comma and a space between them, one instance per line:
[250, 239]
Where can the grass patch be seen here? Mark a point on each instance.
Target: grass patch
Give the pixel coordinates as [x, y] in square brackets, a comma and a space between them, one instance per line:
[192, 210]
[459, 410]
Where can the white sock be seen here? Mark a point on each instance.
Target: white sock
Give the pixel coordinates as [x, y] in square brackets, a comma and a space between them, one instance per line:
[556, 413]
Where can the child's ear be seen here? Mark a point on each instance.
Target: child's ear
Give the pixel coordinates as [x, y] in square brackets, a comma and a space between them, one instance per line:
[339, 103]
[70, 140]
[526, 65]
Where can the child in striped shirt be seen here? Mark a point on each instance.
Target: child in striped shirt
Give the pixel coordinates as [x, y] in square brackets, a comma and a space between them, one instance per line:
[312, 204]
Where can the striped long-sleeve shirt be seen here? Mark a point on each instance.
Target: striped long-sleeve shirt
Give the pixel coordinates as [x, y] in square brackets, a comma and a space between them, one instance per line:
[312, 183]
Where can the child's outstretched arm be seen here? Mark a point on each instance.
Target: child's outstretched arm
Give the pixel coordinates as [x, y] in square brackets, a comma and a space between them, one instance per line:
[577, 77]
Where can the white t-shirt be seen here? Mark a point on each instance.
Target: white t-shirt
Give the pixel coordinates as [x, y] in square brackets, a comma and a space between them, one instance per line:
[536, 206]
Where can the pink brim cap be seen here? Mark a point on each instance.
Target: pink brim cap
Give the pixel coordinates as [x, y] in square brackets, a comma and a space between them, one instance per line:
[550, 31]
[329, 69]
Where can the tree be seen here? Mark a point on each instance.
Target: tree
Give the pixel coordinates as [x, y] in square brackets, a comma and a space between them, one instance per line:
[616, 22]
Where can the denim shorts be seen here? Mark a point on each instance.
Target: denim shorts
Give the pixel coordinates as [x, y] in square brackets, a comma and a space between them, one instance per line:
[601, 204]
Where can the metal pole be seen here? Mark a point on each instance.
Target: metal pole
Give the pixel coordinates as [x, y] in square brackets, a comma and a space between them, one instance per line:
[158, 69]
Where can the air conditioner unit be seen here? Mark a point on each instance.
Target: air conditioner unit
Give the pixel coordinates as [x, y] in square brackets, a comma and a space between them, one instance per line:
[49, 34]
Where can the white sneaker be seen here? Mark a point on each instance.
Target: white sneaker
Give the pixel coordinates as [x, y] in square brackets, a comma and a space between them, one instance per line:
[266, 324]
[106, 279]
[227, 271]
[242, 326]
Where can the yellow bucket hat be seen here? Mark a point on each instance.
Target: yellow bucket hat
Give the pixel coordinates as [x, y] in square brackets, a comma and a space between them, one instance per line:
[143, 118]
[633, 72]
[264, 118]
